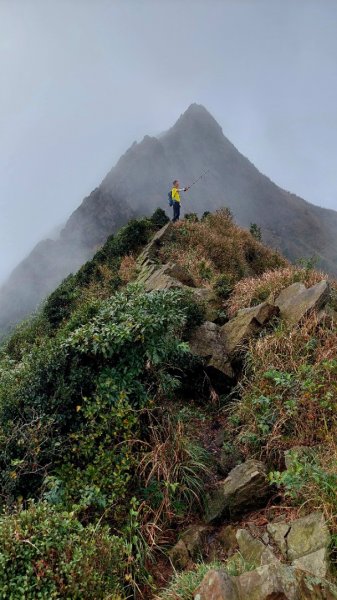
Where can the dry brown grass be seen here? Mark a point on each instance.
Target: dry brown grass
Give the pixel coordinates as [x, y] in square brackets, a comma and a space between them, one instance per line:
[99, 289]
[174, 467]
[290, 392]
[128, 268]
[216, 246]
[253, 290]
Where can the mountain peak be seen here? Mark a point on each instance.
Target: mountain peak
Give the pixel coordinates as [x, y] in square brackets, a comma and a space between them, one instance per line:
[197, 118]
[197, 110]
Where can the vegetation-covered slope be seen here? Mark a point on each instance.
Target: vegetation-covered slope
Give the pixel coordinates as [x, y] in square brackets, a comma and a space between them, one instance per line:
[107, 420]
[139, 182]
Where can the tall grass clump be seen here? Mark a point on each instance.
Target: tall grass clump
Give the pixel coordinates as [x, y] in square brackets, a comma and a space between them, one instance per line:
[251, 291]
[289, 395]
[289, 404]
[172, 470]
[215, 246]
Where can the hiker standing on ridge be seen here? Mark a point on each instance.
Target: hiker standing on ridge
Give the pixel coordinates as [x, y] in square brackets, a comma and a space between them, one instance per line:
[176, 199]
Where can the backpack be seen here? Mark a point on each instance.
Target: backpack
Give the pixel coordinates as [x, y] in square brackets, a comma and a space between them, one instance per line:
[170, 200]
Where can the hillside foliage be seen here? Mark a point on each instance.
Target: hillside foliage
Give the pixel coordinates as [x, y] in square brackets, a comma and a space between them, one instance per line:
[104, 412]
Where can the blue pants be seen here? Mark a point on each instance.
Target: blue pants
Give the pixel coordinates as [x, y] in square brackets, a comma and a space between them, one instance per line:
[176, 211]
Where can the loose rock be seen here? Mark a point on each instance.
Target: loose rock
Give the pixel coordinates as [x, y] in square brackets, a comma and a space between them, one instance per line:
[245, 487]
[305, 542]
[270, 582]
[253, 551]
[296, 300]
[205, 341]
[246, 324]
[179, 555]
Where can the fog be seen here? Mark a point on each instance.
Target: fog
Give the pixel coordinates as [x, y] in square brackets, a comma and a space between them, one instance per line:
[82, 79]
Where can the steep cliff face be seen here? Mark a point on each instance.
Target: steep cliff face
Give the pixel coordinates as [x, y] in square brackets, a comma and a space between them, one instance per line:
[139, 183]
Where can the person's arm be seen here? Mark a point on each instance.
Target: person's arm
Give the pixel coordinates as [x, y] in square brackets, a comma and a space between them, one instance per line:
[183, 189]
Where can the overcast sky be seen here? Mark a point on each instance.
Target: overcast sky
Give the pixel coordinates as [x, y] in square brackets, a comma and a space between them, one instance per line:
[80, 80]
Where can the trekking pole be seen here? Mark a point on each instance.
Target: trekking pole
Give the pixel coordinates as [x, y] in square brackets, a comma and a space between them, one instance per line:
[200, 176]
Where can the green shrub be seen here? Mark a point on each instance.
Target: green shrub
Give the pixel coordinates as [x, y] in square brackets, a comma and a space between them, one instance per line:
[193, 217]
[30, 331]
[71, 408]
[223, 286]
[194, 311]
[60, 303]
[255, 231]
[49, 554]
[159, 218]
[310, 478]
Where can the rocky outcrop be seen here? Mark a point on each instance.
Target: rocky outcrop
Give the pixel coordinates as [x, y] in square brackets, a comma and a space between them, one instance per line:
[247, 323]
[219, 345]
[156, 276]
[245, 487]
[253, 551]
[296, 301]
[304, 542]
[206, 341]
[190, 546]
[274, 581]
[179, 555]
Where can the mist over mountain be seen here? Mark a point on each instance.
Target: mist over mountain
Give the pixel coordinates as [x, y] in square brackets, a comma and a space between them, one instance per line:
[139, 183]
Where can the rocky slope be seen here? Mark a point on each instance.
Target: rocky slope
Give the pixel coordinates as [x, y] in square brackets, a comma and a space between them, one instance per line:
[139, 183]
[168, 424]
[283, 557]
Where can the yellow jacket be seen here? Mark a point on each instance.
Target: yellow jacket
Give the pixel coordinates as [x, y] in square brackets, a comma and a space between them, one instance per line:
[175, 193]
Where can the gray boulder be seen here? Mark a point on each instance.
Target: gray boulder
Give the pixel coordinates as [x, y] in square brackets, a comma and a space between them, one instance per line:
[226, 536]
[217, 585]
[296, 301]
[190, 546]
[156, 277]
[253, 551]
[305, 542]
[179, 555]
[245, 487]
[246, 324]
[194, 539]
[206, 342]
[275, 581]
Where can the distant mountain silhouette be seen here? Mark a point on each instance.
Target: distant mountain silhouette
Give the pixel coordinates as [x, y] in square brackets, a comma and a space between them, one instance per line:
[139, 183]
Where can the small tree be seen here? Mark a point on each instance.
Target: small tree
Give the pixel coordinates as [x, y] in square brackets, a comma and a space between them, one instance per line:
[255, 230]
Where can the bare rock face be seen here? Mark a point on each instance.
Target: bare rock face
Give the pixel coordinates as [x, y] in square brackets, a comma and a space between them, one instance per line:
[305, 542]
[219, 344]
[296, 300]
[156, 276]
[245, 325]
[159, 278]
[179, 555]
[245, 487]
[190, 546]
[151, 250]
[253, 551]
[206, 342]
[194, 539]
[275, 581]
[226, 536]
[217, 585]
